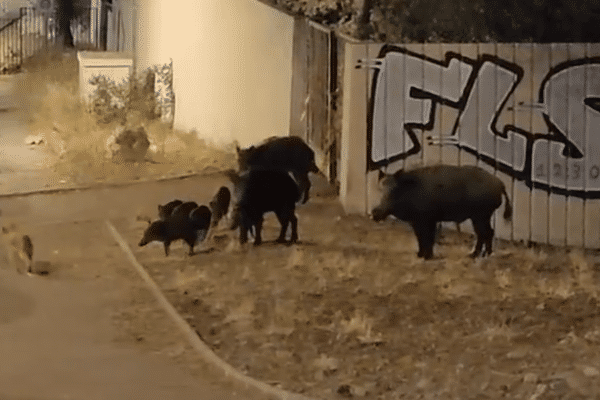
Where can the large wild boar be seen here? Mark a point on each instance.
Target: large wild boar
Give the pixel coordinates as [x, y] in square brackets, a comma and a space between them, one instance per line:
[425, 196]
[258, 192]
[288, 153]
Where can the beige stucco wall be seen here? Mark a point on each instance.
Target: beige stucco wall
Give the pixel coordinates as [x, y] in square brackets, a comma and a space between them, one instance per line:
[232, 62]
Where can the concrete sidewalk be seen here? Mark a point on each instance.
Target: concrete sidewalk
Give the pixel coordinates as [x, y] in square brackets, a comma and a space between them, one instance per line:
[57, 336]
[56, 343]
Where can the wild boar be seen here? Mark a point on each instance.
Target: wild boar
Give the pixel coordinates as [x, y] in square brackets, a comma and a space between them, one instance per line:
[287, 153]
[190, 227]
[219, 205]
[165, 211]
[261, 191]
[185, 208]
[428, 195]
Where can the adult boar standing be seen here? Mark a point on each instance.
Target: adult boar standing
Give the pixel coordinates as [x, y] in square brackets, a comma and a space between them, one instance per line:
[288, 153]
[261, 191]
[425, 196]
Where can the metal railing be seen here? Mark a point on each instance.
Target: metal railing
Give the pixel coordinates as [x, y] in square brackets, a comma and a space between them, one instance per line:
[27, 31]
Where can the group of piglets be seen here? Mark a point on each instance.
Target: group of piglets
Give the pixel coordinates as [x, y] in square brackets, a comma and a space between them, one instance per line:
[187, 221]
[272, 177]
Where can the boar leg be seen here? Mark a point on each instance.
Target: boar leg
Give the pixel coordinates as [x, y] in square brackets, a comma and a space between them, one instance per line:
[258, 227]
[286, 218]
[284, 221]
[167, 245]
[425, 232]
[244, 224]
[191, 243]
[489, 239]
[294, 222]
[243, 234]
[483, 230]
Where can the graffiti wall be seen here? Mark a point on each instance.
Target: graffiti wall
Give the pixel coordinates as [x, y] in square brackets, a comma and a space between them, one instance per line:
[528, 112]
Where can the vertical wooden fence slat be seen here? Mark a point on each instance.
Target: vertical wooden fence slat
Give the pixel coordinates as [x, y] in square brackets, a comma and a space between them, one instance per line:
[592, 147]
[468, 128]
[504, 148]
[318, 88]
[486, 98]
[446, 116]
[576, 134]
[373, 195]
[338, 103]
[555, 107]
[539, 198]
[314, 78]
[433, 78]
[2, 46]
[404, 141]
[299, 77]
[449, 115]
[416, 110]
[521, 196]
[388, 78]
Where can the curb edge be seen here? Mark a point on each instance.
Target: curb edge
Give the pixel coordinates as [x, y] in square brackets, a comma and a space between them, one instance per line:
[201, 348]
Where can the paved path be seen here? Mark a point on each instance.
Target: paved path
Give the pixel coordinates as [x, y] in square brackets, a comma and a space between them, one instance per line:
[57, 335]
[56, 343]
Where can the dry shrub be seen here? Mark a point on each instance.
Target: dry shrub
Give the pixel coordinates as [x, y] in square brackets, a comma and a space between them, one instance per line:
[77, 133]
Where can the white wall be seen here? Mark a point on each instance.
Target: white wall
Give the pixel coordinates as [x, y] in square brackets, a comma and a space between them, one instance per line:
[232, 62]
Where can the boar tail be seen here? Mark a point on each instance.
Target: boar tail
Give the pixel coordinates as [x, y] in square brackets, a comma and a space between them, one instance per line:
[507, 207]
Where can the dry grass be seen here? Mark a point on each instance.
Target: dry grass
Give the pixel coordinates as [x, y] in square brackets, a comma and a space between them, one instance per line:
[48, 94]
[353, 312]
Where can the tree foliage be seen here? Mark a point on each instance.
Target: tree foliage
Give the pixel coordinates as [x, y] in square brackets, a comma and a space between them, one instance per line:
[540, 21]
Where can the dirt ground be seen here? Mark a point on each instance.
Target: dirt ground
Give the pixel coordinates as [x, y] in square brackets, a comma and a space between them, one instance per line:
[350, 311]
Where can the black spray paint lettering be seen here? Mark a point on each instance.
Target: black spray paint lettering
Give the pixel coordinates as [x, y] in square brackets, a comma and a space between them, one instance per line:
[407, 87]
